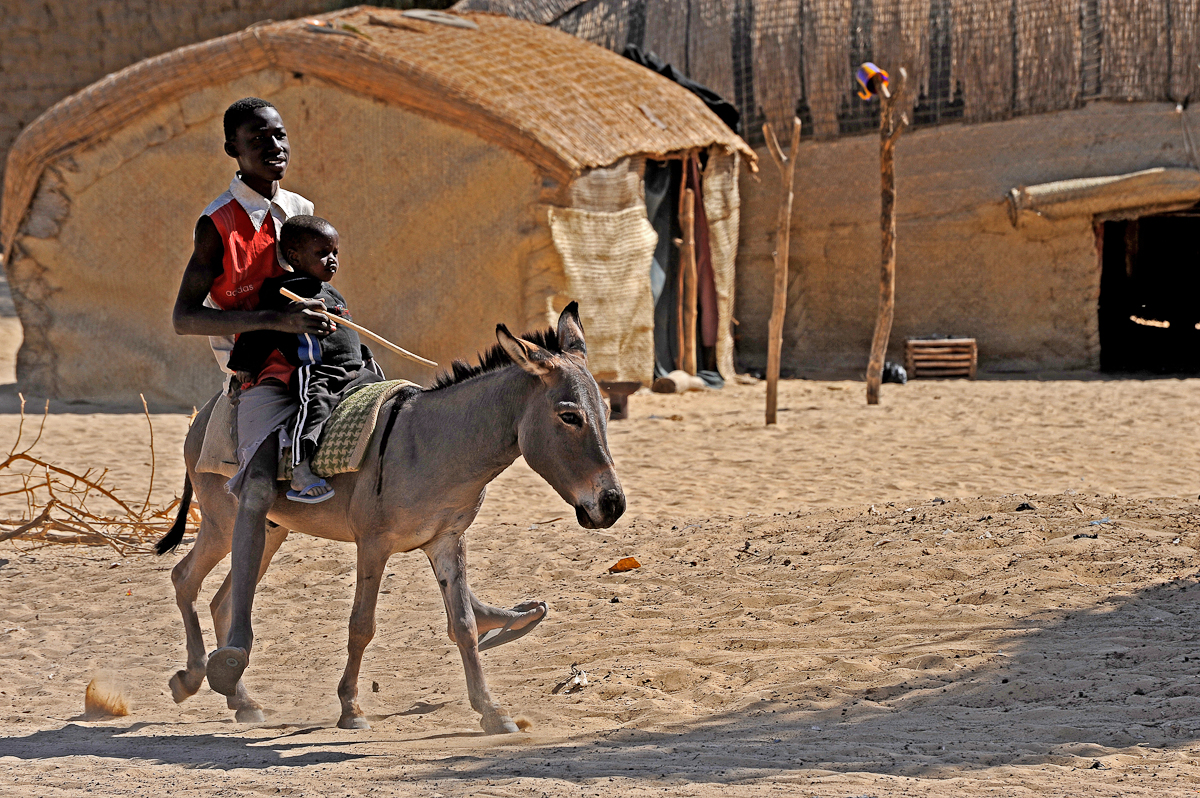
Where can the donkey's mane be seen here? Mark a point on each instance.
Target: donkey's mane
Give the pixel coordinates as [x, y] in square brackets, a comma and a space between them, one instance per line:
[493, 359]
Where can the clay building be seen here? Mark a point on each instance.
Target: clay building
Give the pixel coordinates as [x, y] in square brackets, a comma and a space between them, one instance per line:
[1046, 185]
[479, 168]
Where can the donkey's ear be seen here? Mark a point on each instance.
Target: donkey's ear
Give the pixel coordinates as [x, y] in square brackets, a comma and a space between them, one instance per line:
[570, 331]
[529, 356]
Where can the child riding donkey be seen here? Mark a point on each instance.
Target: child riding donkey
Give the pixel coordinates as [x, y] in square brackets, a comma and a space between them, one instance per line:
[327, 368]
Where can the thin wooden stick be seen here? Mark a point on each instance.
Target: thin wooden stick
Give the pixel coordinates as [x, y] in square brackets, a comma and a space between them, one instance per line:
[150, 488]
[363, 331]
[890, 127]
[787, 170]
[687, 264]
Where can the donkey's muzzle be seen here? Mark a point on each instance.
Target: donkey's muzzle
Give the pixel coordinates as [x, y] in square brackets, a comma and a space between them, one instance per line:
[609, 508]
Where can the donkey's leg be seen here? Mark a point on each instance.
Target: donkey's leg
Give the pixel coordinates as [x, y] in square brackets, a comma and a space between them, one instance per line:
[212, 544]
[488, 617]
[514, 623]
[248, 710]
[448, 555]
[372, 559]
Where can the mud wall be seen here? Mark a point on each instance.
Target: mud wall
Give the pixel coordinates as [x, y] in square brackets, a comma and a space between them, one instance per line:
[1027, 293]
[52, 48]
[439, 232]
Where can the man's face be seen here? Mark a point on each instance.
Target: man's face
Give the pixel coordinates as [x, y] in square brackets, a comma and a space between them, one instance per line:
[316, 256]
[261, 146]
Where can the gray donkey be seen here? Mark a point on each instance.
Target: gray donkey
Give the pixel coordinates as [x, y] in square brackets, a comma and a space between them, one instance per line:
[422, 482]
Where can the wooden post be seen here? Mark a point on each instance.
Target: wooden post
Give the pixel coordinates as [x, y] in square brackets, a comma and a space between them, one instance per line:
[787, 172]
[890, 128]
[687, 267]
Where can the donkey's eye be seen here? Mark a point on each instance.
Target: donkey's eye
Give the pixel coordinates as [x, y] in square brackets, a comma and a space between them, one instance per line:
[571, 419]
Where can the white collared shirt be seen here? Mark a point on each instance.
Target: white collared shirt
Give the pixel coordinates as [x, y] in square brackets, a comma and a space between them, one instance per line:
[284, 205]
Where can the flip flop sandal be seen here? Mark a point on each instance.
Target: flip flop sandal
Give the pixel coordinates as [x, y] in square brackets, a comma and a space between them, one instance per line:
[225, 668]
[506, 634]
[303, 497]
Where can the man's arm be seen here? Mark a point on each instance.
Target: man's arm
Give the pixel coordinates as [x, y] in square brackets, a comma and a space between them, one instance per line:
[191, 317]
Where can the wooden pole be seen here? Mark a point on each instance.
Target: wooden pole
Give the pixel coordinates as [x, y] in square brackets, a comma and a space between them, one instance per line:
[687, 265]
[890, 128]
[364, 331]
[787, 171]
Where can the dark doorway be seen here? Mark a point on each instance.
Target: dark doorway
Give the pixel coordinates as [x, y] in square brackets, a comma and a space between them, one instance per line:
[1150, 294]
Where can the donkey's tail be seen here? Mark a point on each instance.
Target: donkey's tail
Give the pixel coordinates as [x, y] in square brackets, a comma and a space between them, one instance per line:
[175, 536]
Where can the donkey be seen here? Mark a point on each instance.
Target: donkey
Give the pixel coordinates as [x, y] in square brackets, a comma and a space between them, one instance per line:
[423, 480]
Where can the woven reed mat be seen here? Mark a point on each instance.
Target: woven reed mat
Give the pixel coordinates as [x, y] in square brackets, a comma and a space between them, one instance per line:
[605, 258]
[348, 431]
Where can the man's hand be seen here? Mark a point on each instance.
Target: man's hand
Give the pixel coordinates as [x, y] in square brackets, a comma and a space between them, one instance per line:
[305, 317]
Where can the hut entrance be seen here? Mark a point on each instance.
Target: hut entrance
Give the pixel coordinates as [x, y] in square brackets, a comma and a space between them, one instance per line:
[665, 181]
[1150, 294]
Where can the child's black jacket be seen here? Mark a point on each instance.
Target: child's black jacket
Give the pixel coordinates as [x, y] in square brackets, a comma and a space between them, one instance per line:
[340, 348]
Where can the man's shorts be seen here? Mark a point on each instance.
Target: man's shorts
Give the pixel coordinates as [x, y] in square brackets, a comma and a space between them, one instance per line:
[262, 411]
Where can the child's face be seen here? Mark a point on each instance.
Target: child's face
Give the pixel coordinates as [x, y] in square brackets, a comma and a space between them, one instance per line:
[261, 146]
[316, 256]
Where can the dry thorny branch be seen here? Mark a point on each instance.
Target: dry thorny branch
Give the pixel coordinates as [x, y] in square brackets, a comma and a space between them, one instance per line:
[67, 507]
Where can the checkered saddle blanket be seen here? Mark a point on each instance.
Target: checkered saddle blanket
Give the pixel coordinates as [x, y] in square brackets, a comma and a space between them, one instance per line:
[348, 431]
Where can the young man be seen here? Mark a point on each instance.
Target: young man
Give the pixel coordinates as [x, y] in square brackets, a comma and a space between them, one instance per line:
[234, 252]
[325, 369]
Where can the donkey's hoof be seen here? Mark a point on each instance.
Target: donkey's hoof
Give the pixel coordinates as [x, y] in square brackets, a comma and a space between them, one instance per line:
[250, 715]
[498, 724]
[353, 722]
[225, 668]
[184, 685]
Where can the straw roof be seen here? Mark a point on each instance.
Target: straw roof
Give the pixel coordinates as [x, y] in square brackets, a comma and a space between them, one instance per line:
[560, 102]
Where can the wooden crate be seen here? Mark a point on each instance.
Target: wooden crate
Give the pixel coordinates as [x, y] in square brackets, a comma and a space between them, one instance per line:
[946, 357]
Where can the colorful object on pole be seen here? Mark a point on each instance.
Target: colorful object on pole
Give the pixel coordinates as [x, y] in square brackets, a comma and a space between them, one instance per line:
[864, 75]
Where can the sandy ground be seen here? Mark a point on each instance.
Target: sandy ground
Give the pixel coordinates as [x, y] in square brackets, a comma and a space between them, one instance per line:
[849, 604]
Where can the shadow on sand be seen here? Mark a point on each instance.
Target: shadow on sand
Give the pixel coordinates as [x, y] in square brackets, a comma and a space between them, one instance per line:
[220, 751]
[1088, 684]
[1069, 689]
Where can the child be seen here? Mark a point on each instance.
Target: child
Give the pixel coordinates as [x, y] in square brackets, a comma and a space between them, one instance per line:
[326, 368]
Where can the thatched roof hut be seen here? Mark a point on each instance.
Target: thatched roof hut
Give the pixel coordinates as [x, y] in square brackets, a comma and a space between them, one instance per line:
[480, 169]
[1045, 136]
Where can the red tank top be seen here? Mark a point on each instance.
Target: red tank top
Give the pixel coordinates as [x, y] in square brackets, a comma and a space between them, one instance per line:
[249, 260]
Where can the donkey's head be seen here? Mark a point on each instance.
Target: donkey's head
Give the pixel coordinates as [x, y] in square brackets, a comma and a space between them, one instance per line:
[563, 433]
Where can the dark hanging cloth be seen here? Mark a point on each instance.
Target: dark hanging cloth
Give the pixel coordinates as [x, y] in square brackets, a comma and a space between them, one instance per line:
[706, 285]
[662, 202]
[706, 292]
[715, 102]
